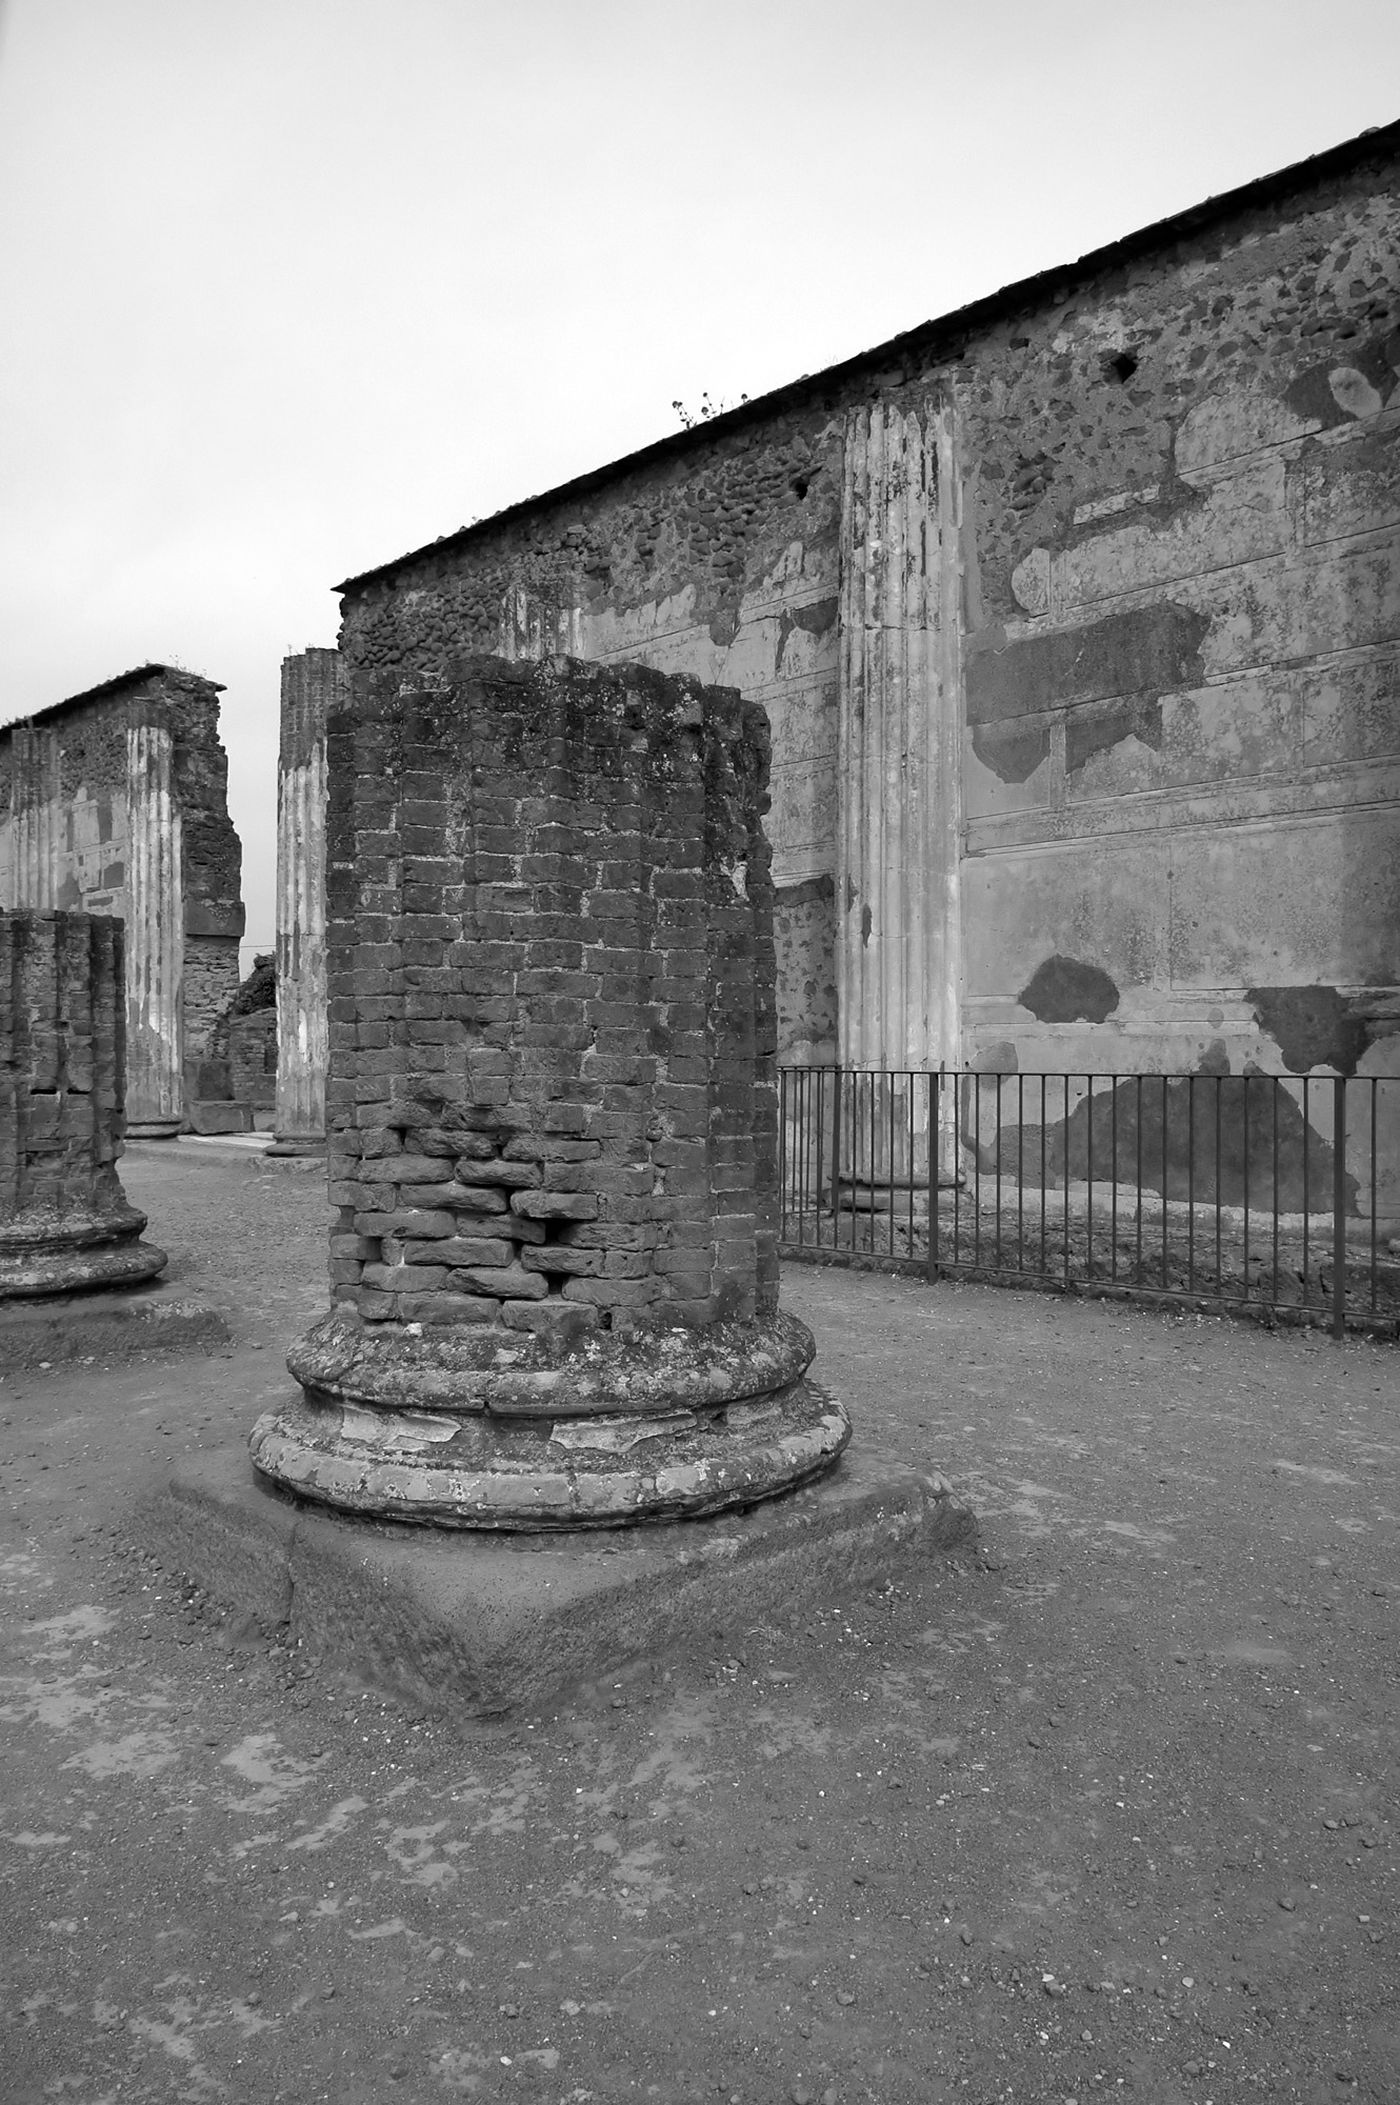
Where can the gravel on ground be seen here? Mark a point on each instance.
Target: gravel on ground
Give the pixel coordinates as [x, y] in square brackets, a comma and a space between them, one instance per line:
[1104, 1808]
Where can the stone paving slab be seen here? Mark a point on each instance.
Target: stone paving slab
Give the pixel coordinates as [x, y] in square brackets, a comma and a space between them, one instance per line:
[470, 1626]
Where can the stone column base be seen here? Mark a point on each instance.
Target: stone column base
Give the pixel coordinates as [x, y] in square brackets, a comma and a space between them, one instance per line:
[153, 1128]
[298, 1144]
[55, 1255]
[483, 1427]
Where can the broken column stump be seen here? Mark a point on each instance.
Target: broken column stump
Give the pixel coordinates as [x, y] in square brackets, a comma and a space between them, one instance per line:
[552, 1112]
[65, 1223]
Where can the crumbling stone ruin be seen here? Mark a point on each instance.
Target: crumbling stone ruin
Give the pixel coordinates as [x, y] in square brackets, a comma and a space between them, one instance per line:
[65, 1222]
[1076, 617]
[116, 802]
[552, 1109]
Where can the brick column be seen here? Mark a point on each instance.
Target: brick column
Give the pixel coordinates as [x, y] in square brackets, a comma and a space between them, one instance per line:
[155, 930]
[65, 1223]
[310, 686]
[552, 1110]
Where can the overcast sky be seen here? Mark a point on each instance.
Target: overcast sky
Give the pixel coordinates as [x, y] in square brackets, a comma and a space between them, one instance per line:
[290, 286]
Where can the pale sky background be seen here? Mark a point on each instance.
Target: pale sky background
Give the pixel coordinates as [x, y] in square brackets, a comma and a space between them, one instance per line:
[288, 287]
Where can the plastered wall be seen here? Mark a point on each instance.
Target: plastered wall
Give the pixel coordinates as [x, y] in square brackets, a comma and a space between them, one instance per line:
[1178, 599]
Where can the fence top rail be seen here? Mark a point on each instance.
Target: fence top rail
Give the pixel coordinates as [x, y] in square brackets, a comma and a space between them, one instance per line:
[1084, 1074]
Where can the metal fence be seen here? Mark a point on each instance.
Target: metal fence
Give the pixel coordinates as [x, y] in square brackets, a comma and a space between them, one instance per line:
[1276, 1195]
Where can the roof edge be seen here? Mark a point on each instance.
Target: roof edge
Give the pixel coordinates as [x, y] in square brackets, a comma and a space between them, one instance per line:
[1376, 141]
[112, 686]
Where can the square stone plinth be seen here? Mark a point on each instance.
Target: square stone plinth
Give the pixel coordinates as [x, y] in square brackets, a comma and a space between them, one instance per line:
[472, 1626]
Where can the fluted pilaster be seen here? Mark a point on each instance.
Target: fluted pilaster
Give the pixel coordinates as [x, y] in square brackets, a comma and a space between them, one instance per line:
[34, 806]
[155, 931]
[311, 683]
[898, 947]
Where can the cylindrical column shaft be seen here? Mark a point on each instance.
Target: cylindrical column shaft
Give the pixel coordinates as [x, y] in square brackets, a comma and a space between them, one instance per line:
[310, 684]
[155, 933]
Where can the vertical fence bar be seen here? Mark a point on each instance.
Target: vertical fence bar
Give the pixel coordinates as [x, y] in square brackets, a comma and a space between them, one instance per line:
[959, 1084]
[1190, 1184]
[1375, 1195]
[1219, 1190]
[1166, 1108]
[1138, 1279]
[1113, 1184]
[1044, 1192]
[910, 1158]
[782, 1154]
[977, 1169]
[1020, 1173]
[1278, 1209]
[998, 1171]
[935, 1127]
[1244, 1121]
[1339, 1207]
[1307, 1186]
[1089, 1179]
[1065, 1227]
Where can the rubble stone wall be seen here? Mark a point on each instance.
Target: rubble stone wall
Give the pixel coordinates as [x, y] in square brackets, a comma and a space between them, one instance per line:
[1164, 510]
[552, 1095]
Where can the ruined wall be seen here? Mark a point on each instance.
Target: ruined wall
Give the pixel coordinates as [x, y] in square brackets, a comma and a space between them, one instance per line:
[1169, 501]
[722, 564]
[65, 806]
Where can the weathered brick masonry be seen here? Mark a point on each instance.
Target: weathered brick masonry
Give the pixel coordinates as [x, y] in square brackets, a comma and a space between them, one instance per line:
[65, 1222]
[551, 999]
[551, 1105]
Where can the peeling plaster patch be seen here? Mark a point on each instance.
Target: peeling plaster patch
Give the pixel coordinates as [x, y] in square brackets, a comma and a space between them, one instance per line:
[1012, 751]
[1117, 501]
[815, 620]
[1099, 726]
[1149, 649]
[1311, 1026]
[1030, 581]
[1353, 392]
[1063, 990]
[999, 1058]
[1337, 393]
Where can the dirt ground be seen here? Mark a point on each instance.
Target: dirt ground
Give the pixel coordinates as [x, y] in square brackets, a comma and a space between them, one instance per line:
[1105, 1808]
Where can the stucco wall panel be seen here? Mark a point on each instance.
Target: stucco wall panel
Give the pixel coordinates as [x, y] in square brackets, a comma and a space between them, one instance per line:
[1314, 901]
[1104, 903]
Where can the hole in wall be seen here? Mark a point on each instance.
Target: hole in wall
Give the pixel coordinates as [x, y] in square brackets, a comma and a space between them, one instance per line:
[799, 486]
[1120, 366]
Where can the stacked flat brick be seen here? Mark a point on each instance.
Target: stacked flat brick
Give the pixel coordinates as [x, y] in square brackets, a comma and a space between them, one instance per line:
[551, 1100]
[65, 1223]
[552, 1045]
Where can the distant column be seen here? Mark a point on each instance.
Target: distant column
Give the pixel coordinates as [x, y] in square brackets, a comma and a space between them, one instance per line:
[65, 1223]
[34, 798]
[311, 683]
[155, 930]
[898, 941]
